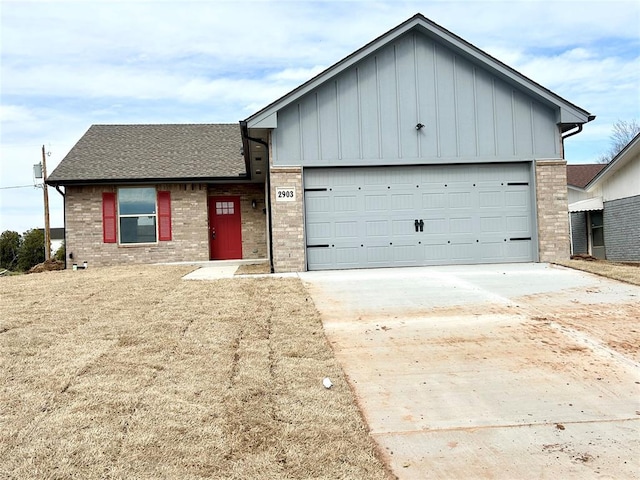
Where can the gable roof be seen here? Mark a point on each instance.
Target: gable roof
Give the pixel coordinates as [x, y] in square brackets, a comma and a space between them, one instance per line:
[135, 153]
[625, 156]
[580, 175]
[569, 116]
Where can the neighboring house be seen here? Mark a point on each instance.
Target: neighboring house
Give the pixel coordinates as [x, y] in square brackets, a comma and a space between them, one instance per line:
[604, 206]
[417, 149]
[57, 238]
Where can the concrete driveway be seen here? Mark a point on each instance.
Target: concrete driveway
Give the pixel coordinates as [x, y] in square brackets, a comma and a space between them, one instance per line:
[496, 371]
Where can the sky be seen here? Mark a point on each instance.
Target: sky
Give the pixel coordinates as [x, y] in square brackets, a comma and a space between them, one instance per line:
[67, 65]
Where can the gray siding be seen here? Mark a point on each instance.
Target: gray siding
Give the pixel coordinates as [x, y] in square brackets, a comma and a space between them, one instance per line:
[579, 232]
[622, 229]
[367, 115]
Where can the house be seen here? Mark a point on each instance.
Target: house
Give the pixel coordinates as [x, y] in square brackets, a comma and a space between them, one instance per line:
[416, 149]
[57, 238]
[160, 193]
[604, 206]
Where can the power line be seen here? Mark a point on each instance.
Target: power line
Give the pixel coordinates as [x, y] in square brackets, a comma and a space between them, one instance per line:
[20, 186]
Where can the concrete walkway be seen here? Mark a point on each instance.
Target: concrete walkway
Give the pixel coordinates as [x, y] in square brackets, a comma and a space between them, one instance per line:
[496, 371]
[215, 269]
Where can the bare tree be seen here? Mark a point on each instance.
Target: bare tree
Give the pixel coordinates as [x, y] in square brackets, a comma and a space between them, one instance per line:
[623, 132]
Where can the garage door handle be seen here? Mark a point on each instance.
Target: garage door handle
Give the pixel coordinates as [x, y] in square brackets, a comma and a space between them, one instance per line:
[421, 225]
[416, 224]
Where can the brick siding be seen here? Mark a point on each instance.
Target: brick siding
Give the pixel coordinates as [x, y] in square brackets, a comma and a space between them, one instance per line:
[622, 229]
[553, 221]
[288, 222]
[189, 221]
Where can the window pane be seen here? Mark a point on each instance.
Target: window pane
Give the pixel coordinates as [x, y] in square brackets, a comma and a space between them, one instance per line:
[598, 237]
[137, 229]
[136, 201]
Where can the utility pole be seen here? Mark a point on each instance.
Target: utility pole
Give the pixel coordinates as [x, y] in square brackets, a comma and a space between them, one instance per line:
[47, 229]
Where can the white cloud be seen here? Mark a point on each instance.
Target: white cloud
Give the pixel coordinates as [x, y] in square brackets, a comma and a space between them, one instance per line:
[15, 113]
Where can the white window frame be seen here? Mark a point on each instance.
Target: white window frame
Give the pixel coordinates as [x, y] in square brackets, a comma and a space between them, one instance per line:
[138, 215]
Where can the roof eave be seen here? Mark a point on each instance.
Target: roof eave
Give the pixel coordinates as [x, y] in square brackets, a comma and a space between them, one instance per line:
[626, 154]
[142, 181]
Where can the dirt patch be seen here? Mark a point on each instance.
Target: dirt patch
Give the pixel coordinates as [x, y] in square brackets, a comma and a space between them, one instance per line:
[615, 325]
[47, 266]
[624, 271]
[134, 373]
[257, 269]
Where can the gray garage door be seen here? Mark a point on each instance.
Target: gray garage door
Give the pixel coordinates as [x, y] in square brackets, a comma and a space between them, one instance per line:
[423, 215]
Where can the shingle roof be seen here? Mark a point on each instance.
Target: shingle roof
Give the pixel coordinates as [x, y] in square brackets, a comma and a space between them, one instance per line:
[139, 152]
[580, 175]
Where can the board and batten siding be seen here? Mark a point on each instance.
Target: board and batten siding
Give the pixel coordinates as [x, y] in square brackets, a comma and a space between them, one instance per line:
[368, 114]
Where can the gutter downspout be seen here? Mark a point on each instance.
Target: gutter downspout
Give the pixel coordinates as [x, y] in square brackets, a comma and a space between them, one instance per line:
[575, 132]
[245, 135]
[64, 216]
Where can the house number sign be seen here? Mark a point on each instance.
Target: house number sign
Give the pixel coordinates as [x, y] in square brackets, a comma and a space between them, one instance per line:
[287, 194]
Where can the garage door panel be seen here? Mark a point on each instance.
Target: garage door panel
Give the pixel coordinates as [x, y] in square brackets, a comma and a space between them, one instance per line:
[492, 224]
[403, 228]
[458, 200]
[517, 198]
[435, 226]
[402, 201]
[469, 213]
[344, 230]
[321, 258]
[404, 255]
[347, 257]
[320, 232]
[376, 203]
[378, 256]
[318, 203]
[464, 252]
[347, 178]
[492, 251]
[436, 254]
[434, 201]
[490, 199]
[377, 228]
[460, 225]
[345, 203]
[518, 251]
[518, 225]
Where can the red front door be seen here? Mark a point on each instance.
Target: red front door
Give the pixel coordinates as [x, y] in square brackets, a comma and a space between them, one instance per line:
[225, 228]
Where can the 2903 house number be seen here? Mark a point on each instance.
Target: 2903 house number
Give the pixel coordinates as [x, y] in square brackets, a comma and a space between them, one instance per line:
[285, 194]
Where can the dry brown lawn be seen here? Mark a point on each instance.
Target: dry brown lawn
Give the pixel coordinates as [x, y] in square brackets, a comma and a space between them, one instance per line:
[254, 269]
[133, 373]
[629, 273]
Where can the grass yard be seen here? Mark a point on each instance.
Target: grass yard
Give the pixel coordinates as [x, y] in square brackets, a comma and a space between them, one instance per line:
[625, 272]
[131, 372]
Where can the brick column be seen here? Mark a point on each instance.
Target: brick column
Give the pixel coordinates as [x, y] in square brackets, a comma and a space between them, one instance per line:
[553, 217]
[287, 219]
